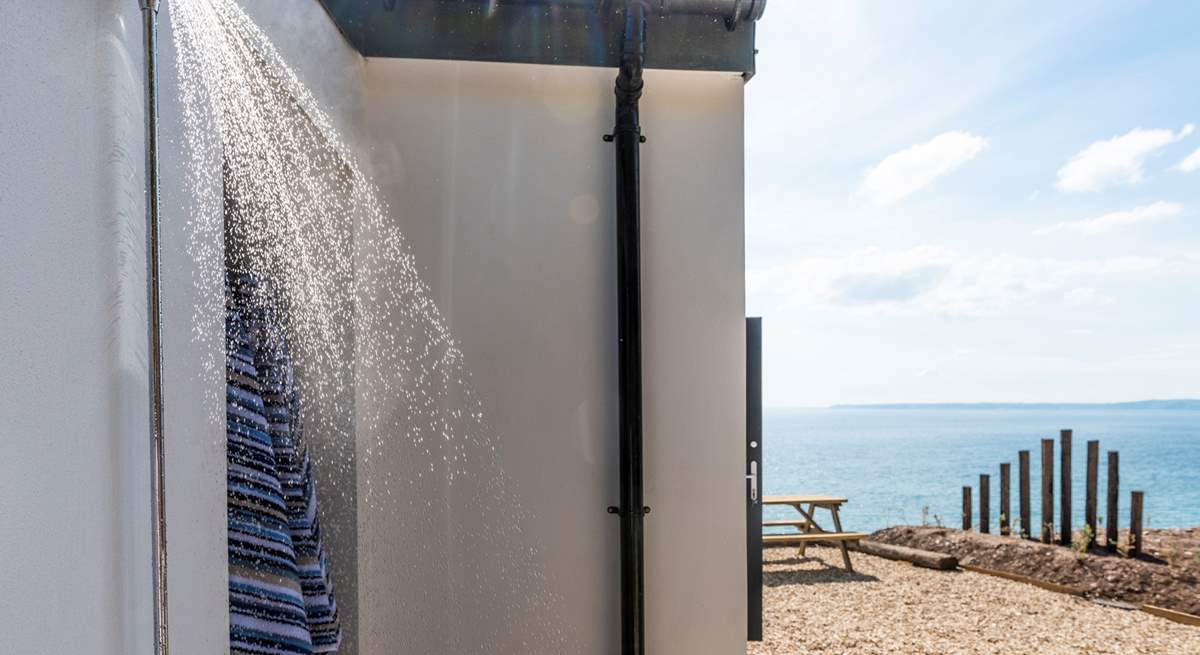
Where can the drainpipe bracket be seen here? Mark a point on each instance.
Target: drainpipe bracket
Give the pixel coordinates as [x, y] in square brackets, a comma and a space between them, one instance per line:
[613, 509]
[608, 138]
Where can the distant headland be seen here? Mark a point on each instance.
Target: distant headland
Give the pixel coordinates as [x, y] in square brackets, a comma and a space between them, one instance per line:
[1179, 403]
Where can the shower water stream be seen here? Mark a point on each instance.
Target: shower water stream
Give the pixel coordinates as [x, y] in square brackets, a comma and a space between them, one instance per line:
[382, 378]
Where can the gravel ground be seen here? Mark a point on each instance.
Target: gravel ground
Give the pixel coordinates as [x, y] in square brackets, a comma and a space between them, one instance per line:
[812, 606]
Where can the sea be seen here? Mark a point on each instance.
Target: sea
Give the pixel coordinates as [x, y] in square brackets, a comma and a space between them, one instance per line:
[908, 466]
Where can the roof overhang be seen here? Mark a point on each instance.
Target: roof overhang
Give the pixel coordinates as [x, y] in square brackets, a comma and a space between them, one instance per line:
[708, 35]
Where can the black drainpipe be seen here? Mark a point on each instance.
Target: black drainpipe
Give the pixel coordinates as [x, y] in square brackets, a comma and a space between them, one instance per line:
[627, 137]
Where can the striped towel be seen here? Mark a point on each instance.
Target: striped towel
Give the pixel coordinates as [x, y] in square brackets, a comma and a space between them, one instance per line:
[280, 596]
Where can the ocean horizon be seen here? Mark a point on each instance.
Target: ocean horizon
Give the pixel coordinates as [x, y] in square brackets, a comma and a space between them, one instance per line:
[893, 462]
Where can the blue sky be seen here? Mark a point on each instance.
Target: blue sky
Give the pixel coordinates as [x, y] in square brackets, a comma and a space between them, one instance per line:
[966, 201]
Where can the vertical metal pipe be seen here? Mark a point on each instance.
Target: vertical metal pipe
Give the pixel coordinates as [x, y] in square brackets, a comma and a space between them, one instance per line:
[627, 136]
[158, 519]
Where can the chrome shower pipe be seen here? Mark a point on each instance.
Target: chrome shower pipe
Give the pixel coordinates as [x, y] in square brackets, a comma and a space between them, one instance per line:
[158, 518]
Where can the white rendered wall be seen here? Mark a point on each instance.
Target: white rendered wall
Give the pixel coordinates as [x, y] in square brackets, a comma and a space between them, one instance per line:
[73, 496]
[694, 351]
[499, 177]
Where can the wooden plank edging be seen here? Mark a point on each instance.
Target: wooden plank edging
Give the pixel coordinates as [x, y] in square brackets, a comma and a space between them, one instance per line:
[1171, 615]
[1017, 577]
[898, 554]
[1161, 612]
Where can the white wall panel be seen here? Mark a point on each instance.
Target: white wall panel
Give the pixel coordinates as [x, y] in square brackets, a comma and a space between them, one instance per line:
[74, 491]
[499, 177]
[694, 363]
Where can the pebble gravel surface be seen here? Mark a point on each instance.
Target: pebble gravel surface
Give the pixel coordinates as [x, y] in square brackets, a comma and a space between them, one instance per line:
[811, 605]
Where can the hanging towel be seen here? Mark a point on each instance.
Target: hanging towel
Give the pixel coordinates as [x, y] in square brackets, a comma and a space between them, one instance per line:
[280, 596]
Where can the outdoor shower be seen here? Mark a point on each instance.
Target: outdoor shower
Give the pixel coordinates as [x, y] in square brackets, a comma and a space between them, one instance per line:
[626, 137]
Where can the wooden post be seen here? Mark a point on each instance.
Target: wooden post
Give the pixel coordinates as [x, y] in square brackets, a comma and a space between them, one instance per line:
[1114, 486]
[1023, 492]
[1093, 475]
[1064, 528]
[1005, 506]
[966, 512]
[985, 495]
[1047, 490]
[1135, 523]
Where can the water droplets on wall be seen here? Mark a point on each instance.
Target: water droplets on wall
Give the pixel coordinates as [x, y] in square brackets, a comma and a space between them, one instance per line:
[382, 380]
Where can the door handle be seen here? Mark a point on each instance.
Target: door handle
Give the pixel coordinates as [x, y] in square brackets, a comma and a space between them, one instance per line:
[753, 478]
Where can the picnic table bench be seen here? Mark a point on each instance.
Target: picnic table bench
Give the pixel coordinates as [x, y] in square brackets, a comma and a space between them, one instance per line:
[810, 530]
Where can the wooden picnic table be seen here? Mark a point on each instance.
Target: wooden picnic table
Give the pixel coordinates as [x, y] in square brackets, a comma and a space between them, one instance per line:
[810, 530]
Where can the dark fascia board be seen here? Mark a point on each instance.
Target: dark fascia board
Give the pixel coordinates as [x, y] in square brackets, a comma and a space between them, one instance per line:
[533, 34]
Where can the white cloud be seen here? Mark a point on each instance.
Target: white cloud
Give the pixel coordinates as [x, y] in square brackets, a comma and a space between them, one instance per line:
[1192, 163]
[1113, 220]
[1088, 297]
[912, 169]
[936, 280]
[1117, 160]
